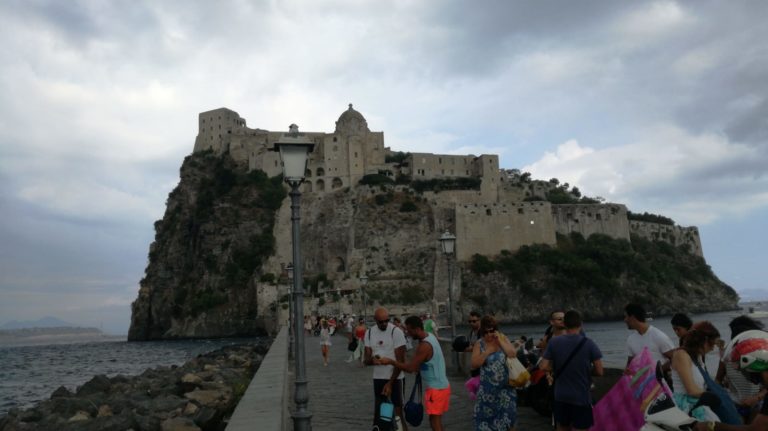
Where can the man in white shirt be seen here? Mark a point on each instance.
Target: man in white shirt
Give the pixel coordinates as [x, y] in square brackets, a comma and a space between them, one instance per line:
[658, 343]
[385, 340]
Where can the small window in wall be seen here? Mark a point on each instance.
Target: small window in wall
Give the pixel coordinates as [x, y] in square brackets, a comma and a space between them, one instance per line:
[440, 160]
[598, 216]
[334, 139]
[488, 211]
[355, 153]
[520, 211]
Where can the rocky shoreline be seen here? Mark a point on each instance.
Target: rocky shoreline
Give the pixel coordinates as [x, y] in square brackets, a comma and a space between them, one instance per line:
[197, 396]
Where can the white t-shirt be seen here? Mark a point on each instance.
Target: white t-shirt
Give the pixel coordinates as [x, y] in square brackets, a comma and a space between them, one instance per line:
[657, 342]
[384, 343]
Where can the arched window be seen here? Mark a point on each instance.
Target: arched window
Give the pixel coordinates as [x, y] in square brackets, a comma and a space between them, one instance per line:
[320, 172]
[308, 173]
[320, 185]
[336, 183]
[338, 263]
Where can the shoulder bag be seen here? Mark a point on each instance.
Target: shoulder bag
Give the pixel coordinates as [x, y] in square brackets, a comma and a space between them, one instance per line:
[726, 411]
[413, 409]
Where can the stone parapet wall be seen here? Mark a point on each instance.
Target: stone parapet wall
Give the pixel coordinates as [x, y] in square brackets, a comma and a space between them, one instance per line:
[675, 235]
[487, 229]
[588, 219]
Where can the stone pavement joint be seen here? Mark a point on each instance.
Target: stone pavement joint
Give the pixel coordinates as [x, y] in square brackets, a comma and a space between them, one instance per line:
[341, 395]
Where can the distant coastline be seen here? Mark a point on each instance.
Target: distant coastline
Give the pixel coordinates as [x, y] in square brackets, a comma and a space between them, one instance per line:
[55, 335]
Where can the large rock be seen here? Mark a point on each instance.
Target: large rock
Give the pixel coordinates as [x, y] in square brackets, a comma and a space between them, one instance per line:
[100, 383]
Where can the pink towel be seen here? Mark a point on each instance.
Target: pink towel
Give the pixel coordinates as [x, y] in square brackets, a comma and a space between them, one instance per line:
[623, 407]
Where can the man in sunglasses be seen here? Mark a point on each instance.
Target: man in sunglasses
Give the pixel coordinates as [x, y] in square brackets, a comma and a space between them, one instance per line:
[385, 340]
[474, 327]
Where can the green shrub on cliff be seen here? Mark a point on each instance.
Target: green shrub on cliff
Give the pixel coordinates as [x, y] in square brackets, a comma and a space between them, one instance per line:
[598, 264]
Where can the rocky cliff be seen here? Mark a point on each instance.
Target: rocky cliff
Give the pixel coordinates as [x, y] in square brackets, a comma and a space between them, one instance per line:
[211, 243]
[217, 265]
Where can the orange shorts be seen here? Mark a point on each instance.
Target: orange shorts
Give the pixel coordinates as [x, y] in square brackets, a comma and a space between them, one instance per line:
[436, 400]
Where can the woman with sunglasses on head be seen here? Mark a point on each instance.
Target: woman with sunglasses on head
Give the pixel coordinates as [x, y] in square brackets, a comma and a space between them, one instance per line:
[496, 405]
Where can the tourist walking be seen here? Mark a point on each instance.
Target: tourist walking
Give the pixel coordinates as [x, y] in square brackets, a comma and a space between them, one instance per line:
[386, 341]
[572, 358]
[427, 359]
[325, 340]
[658, 343]
[687, 371]
[496, 405]
[360, 330]
[429, 325]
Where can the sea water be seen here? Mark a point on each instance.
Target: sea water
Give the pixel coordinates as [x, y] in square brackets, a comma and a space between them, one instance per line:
[29, 374]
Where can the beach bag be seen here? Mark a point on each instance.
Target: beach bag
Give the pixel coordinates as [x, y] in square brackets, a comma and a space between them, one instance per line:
[472, 385]
[518, 374]
[352, 346]
[413, 409]
[726, 411]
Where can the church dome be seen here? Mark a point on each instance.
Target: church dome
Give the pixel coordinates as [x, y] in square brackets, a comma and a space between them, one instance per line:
[351, 122]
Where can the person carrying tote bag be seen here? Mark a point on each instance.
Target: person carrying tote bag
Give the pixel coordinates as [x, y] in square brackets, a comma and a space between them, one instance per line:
[496, 405]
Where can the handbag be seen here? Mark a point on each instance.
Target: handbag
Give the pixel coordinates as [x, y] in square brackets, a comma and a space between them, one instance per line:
[413, 409]
[518, 374]
[726, 411]
[385, 420]
[352, 346]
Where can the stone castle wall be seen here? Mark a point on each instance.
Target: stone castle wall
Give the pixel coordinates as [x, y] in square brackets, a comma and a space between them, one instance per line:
[487, 229]
[606, 219]
[675, 235]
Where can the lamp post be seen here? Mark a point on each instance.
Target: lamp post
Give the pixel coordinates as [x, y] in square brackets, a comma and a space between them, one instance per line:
[448, 243]
[292, 322]
[363, 282]
[294, 149]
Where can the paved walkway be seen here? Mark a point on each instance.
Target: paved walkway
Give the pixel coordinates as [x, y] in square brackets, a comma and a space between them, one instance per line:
[341, 395]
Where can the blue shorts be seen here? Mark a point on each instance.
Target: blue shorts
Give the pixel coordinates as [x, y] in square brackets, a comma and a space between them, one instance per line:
[566, 414]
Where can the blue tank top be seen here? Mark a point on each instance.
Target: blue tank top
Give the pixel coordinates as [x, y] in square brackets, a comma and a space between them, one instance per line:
[433, 370]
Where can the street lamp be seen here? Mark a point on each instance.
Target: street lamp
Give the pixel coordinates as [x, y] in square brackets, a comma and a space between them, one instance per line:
[448, 242]
[363, 282]
[294, 148]
[291, 318]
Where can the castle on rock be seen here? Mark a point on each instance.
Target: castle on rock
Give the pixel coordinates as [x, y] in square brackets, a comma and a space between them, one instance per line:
[502, 213]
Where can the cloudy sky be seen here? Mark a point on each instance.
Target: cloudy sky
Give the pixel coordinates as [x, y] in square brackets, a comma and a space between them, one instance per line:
[658, 105]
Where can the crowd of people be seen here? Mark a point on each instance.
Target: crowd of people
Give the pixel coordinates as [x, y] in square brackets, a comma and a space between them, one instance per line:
[567, 358]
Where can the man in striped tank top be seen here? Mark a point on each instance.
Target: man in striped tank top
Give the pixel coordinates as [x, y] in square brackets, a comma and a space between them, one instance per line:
[429, 361]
